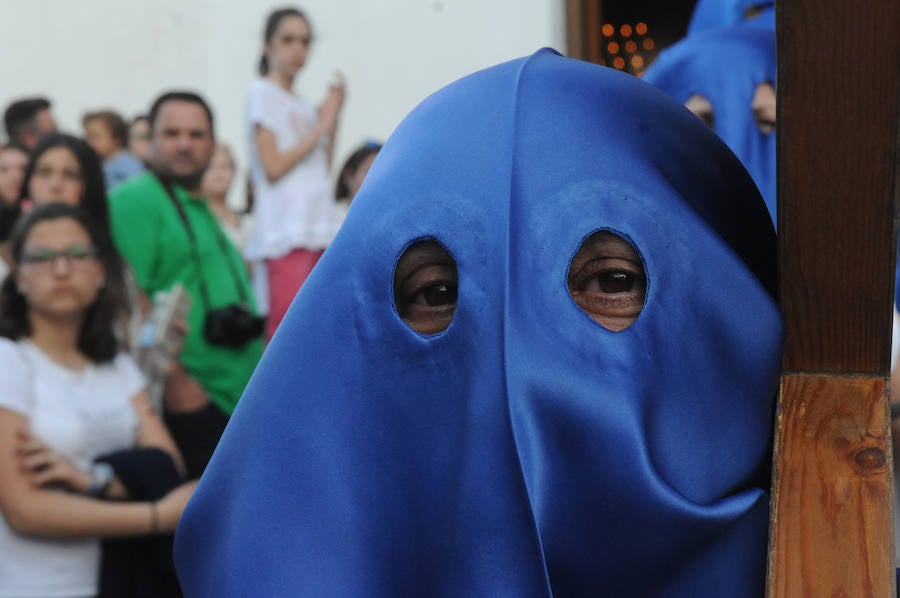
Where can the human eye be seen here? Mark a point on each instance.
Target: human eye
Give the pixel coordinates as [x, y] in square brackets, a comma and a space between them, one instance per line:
[43, 171]
[425, 287]
[435, 294]
[80, 252]
[612, 281]
[606, 280]
[765, 126]
[764, 107]
[702, 109]
[38, 256]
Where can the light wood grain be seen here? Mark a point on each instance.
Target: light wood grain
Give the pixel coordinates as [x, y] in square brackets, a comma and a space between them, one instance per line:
[832, 508]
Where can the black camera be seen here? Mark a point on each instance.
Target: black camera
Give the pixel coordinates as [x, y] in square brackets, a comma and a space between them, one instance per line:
[233, 326]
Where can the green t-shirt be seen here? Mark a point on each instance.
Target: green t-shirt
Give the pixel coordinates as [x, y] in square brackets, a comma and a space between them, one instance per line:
[151, 236]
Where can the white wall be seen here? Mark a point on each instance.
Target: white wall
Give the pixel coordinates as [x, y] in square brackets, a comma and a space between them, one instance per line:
[91, 54]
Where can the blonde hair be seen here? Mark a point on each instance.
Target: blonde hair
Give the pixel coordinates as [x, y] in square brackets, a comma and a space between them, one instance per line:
[224, 147]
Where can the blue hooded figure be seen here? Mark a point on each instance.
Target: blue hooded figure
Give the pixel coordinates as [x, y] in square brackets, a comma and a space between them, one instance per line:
[728, 68]
[540, 358]
[716, 14]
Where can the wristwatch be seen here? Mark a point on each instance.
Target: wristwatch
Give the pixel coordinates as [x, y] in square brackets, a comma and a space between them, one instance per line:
[102, 475]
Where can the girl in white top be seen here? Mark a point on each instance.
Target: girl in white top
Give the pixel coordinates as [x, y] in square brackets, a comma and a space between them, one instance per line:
[291, 146]
[68, 397]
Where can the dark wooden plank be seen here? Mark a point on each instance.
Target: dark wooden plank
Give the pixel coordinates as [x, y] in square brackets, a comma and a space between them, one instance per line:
[837, 100]
[575, 34]
[593, 23]
[831, 510]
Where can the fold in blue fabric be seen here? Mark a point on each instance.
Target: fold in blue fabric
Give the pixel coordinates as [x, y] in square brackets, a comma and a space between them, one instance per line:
[526, 450]
[726, 66]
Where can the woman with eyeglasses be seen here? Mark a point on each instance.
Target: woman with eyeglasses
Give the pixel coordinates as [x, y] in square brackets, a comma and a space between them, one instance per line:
[63, 168]
[70, 397]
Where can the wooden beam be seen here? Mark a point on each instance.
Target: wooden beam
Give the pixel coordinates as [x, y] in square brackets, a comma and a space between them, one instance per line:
[838, 73]
[575, 36]
[584, 19]
[593, 15]
[833, 513]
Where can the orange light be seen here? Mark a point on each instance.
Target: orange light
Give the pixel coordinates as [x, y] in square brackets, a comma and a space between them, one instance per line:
[608, 30]
[612, 48]
[648, 44]
[625, 30]
[641, 28]
[619, 62]
[631, 46]
[637, 62]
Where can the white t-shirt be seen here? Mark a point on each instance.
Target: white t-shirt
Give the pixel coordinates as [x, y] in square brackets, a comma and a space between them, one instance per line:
[298, 210]
[81, 415]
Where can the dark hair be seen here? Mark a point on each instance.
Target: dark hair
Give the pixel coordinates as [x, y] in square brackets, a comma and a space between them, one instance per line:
[113, 122]
[93, 196]
[12, 145]
[341, 191]
[272, 22]
[97, 339]
[93, 202]
[9, 213]
[21, 114]
[179, 96]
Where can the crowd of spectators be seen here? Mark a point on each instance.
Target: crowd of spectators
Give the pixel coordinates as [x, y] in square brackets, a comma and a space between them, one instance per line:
[129, 320]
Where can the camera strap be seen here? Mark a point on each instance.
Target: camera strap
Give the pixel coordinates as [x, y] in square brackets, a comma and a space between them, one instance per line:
[220, 238]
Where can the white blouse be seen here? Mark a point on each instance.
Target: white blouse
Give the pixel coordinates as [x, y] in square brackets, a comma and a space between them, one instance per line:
[81, 415]
[298, 210]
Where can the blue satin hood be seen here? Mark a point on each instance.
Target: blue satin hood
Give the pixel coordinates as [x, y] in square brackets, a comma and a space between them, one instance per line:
[765, 19]
[726, 66]
[526, 450]
[715, 14]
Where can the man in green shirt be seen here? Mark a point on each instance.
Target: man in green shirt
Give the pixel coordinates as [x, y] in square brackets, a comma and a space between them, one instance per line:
[166, 245]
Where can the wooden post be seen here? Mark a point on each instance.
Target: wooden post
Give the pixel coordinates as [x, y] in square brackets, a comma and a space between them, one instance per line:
[583, 19]
[576, 37]
[838, 73]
